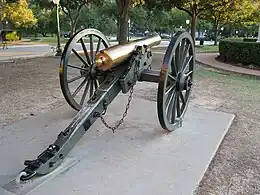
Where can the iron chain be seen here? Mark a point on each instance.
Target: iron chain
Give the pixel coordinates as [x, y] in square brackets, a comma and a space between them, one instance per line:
[127, 105]
[124, 114]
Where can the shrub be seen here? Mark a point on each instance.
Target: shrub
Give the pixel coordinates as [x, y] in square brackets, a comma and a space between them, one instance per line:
[250, 39]
[246, 53]
[12, 36]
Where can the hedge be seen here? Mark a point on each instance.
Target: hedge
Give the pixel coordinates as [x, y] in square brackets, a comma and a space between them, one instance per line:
[12, 36]
[250, 39]
[236, 51]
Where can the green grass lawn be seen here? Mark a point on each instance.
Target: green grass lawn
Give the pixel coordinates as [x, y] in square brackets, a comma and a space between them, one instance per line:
[48, 40]
[207, 48]
[230, 80]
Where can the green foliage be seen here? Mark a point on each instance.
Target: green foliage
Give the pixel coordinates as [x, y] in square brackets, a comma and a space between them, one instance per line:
[12, 1]
[139, 16]
[177, 18]
[204, 25]
[249, 39]
[18, 14]
[237, 51]
[12, 36]
[96, 17]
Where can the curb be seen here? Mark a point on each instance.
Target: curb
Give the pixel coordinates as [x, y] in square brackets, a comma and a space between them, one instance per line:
[20, 58]
[223, 69]
[205, 51]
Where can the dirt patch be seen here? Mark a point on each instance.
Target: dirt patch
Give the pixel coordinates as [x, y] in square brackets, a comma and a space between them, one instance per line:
[236, 168]
[27, 88]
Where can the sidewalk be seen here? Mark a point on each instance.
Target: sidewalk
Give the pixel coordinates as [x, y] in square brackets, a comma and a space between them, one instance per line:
[208, 59]
[9, 55]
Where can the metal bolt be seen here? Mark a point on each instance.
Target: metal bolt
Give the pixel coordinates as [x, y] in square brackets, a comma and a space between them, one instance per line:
[96, 114]
[190, 83]
[51, 164]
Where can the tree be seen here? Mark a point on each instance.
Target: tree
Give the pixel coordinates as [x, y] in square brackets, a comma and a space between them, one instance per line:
[45, 20]
[71, 8]
[123, 16]
[97, 17]
[178, 18]
[192, 7]
[225, 12]
[138, 16]
[18, 14]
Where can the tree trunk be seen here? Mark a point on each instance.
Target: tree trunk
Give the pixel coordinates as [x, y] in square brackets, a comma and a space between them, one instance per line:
[123, 29]
[44, 34]
[123, 8]
[1, 7]
[215, 34]
[117, 32]
[193, 25]
[73, 28]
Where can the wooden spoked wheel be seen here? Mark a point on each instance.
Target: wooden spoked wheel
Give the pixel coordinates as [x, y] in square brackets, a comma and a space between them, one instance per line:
[175, 82]
[78, 78]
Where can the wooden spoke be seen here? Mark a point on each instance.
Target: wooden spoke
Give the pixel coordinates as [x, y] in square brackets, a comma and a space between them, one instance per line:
[79, 88]
[173, 111]
[91, 89]
[96, 84]
[72, 66]
[178, 105]
[173, 79]
[186, 63]
[189, 73]
[177, 59]
[98, 46]
[85, 51]
[91, 48]
[181, 54]
[174, 66]
[84, 93]
[170, 105]
[184, 56]
[169, 90]
[81, 59]
[182, 98]
[76, 78]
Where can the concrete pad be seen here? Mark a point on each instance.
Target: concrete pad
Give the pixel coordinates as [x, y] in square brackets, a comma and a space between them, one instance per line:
[140, 158]
[5, 192]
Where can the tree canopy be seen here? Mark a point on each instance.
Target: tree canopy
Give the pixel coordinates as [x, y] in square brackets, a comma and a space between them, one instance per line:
[18, 13]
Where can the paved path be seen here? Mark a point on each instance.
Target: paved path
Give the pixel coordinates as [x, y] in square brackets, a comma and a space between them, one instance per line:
[208, 59]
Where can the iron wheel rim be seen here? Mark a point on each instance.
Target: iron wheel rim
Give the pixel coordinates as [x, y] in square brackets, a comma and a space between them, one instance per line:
[88, 84]
[171, 103]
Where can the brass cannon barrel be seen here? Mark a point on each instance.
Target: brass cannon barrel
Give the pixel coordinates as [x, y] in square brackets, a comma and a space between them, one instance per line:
[118, 54]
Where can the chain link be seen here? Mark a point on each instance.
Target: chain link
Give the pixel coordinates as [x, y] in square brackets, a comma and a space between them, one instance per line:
[113, 128]
[124, 114]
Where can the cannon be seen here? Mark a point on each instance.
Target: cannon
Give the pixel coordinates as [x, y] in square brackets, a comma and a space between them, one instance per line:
[104, 71]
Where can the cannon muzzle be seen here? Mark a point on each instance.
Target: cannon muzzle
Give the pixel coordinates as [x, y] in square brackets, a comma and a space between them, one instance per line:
[118, 54]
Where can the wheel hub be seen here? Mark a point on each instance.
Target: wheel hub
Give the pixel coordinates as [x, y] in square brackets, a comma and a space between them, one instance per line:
[183, 82]
[89, 72]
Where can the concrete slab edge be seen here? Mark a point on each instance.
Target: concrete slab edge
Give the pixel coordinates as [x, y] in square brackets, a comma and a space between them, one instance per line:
[20, 58]
[5, 192]
[215, 151]
[223, 69]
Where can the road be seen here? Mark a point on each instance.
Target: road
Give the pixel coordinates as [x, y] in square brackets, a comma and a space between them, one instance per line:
[18, 51]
